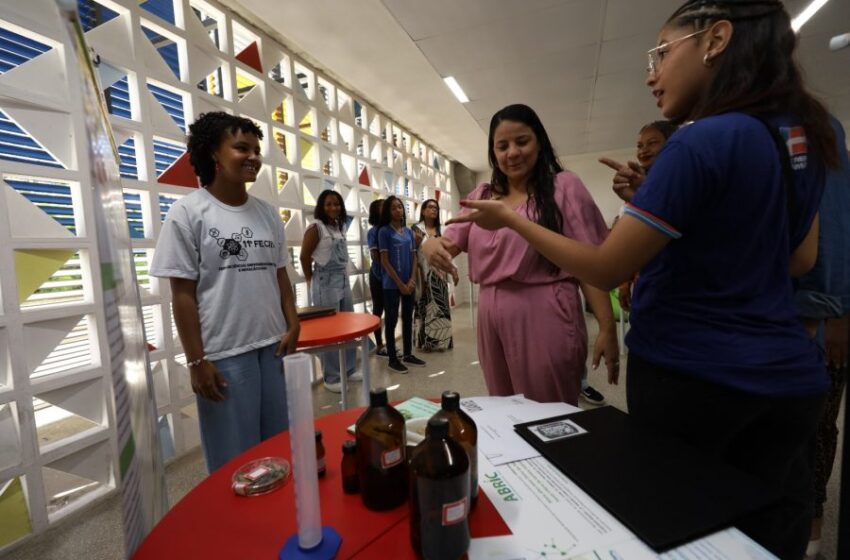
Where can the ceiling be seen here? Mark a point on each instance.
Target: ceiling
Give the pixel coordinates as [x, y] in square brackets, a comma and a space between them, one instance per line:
[579, 63]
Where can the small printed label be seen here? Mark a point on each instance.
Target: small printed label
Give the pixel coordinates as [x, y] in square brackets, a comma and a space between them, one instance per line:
[455, 512]
[320, 465]
[554, 431]
[391, 458]
[257, 473]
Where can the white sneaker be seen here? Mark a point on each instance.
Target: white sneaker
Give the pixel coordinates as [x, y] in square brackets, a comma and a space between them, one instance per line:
[333, 387]
[356, 376]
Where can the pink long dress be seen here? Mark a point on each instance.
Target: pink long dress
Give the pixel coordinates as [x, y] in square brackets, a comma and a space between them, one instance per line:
[532, 337]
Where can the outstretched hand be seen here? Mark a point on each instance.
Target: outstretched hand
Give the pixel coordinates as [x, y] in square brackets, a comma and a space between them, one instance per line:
[627, 180]
[487, 214]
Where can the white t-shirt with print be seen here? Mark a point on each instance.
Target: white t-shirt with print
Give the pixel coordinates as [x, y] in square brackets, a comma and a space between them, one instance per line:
[233, 252]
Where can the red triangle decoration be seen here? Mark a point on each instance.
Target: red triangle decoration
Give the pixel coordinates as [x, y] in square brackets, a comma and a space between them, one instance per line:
[151, 347]
[437, 195]
[364, 177]
[180, 173]
[251, 57]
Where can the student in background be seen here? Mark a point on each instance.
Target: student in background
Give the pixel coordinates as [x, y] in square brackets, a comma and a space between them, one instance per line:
[823, 297]
[376, 289]
[224, 253]
[532, 337]
[324, 260]
[433, 313]
[717, 352]
[630, 176]
[398, 258]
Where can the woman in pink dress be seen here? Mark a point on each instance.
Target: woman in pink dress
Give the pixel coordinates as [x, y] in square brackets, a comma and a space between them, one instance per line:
[532, 337]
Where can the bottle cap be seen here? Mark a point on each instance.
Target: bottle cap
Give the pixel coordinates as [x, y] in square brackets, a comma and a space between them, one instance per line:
[349, 447]
[378, 397]
[438, 427]
[451, 400]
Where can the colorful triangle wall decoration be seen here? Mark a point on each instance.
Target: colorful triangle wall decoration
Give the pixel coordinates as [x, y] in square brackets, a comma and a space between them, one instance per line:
[180, 173]
[251, 57]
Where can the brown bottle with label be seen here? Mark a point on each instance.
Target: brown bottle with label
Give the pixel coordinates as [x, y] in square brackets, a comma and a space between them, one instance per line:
[350, 478]
[463, 430]
[439, 495]
[381, 454]
[321, 466]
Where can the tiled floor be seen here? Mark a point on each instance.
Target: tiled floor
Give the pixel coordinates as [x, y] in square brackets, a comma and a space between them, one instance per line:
[96, 535]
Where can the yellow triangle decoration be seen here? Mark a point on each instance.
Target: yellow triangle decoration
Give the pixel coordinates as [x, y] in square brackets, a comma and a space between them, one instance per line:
[14, 513]
[309, 157]
[35, 267]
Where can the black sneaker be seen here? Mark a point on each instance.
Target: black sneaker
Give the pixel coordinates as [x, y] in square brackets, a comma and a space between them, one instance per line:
[412, 360]
[592, 396]
[397, 366]
[382, 353]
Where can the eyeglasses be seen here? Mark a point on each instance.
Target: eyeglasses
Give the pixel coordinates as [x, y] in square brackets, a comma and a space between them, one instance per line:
[656, 55]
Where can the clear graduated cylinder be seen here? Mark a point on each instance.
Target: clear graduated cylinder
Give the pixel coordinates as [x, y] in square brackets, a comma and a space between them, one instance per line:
[298, 369]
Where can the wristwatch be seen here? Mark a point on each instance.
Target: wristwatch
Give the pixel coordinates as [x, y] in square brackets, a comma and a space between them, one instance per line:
[196, 363]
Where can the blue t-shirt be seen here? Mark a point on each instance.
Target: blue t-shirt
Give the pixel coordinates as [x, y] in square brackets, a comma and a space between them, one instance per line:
[824, 292]
[400, 248]
[372, 241]
[717, 302]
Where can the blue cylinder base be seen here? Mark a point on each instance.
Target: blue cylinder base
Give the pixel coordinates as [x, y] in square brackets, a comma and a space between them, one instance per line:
[326, 550]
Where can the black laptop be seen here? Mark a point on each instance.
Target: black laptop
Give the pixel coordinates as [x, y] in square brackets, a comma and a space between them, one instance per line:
[665, 491]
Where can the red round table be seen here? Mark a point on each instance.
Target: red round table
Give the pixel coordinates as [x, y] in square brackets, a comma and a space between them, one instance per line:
[339, 331]
[211, 522]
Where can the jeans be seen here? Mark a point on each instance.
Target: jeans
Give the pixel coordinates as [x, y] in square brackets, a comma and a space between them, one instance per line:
[254, 408]
[391, 301]
[331, 288]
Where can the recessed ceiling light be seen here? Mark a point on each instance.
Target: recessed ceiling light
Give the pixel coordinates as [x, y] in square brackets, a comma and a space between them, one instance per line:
[807, 14]
[456, 89]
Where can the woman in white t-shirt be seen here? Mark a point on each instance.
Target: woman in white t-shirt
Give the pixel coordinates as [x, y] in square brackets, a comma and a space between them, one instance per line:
[224, 253]
[324, 260]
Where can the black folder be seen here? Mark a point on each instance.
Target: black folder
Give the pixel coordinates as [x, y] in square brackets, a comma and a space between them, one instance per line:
[665, 491]
[314, 311]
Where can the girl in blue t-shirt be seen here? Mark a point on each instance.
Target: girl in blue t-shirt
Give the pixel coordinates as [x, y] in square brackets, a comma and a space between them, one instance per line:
[376, 288]
[718, 354]
[398, 258]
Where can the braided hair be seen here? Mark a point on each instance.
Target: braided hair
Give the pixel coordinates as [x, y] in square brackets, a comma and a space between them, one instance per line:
[205, 136]
[757, 73]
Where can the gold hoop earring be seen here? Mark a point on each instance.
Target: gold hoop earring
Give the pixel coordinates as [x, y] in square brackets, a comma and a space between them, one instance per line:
[707, 62]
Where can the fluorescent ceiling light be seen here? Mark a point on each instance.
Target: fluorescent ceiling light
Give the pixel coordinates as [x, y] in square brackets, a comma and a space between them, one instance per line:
[456, 89]
[807, 14]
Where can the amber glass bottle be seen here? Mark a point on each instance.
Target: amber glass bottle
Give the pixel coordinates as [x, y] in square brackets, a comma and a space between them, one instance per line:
[321, 466]
[463, 430]
[381, 454]
[439, 495]
[350, 478]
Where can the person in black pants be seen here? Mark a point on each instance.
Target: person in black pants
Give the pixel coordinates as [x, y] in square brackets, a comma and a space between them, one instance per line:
[397, 246]
[728, 215]
[376, 272]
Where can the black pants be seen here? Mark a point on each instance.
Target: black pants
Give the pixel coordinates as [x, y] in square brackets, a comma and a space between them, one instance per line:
[377, 291]
[770, 437]
[827, 439]
[391, 300]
